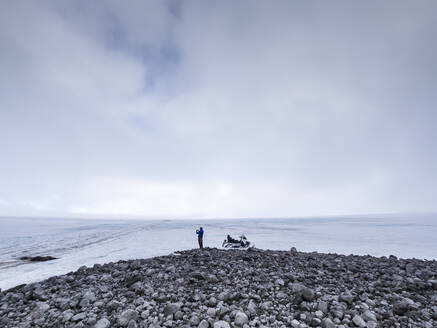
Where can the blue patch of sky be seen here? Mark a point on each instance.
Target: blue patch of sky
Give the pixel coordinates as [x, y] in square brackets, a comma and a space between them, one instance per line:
[162, 62]
[165, 63]
[162, 59]
[145, 125]
[175, 8]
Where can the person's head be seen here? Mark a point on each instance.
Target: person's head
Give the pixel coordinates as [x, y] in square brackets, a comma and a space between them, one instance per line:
[201, 228]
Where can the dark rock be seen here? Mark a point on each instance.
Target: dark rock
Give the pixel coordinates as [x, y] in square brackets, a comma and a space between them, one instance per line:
[347, 298]
[198, 275]
[37, 258]
[308, 294]
[171, 309]
[401, 307]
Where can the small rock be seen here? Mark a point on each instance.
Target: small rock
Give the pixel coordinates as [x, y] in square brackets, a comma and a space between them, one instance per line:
[294, 322]
[102, 323]
[252, 308]
[84, 303]
[132, 324]
[319, 314]
[358, 321]
[178, 315]
[281, 295]
[372, 324]
[212, 278]
[347, 298]
[221, 324]
[203, 324]
[211, 312]
[197, 275]
[91, 320]
[194, 321]
[113, 305]
[171, 309]
[322, 306]
[280, 282]
[327, 323]
[127, 316]
[90, 296]
[79, 316]
[67, 315]
[308, 294]
[316, 322]
[41, 307]
[223, 296]
[241, 318]
[401, 307]
[369, 316]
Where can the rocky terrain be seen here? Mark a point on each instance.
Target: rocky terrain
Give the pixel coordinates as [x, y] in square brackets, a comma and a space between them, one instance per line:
[220, 289]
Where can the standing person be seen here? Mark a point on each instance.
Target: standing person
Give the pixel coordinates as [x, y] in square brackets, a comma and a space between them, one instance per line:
[200, 237]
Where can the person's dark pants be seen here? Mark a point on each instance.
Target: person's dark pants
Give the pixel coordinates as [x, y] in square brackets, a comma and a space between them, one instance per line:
[200, 239]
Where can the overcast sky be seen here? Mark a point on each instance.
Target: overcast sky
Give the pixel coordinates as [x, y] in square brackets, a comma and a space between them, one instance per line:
[217, 108]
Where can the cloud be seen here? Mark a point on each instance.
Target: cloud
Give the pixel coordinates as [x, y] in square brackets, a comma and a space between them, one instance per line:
[217, 109]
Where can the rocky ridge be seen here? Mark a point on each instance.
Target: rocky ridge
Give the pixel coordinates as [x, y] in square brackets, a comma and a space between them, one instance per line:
[222, 289]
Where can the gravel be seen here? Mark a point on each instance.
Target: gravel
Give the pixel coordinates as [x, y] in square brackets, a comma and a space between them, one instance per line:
[223, 289]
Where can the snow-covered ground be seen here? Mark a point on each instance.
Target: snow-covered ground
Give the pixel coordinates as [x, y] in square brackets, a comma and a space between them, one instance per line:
[86, 242]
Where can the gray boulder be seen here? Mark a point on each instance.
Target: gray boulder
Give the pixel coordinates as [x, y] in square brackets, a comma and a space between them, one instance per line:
[358, 321]
[102, 323]
[401, 307]
[132, 324]
[241, 318]
[40, 309]
[252, 308]
[79, 317]
[308, 294]
[194, 321]
[127, 316]
[171, 308]
[347, 298]
[90, 296]
[221, 324]
[203, 324]
[369, 315]
[327, 323]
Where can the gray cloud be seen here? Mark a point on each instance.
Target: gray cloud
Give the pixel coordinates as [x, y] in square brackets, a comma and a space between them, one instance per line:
[217, 108]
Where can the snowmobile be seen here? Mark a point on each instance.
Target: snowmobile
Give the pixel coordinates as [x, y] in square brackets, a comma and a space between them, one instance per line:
[231, 243]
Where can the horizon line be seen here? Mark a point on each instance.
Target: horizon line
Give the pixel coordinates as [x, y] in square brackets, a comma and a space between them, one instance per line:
[188, 218]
